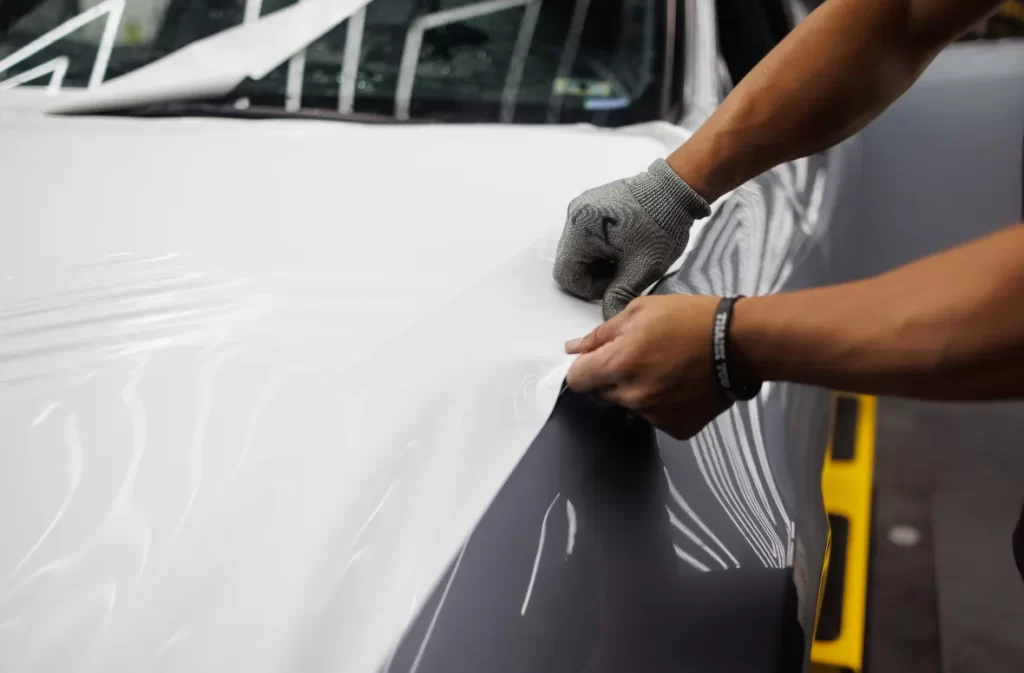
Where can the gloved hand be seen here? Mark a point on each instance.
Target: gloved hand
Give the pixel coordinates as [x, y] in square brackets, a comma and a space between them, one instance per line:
[621, 237]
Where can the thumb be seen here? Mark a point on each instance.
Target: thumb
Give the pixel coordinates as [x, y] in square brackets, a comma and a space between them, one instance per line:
[631, 278]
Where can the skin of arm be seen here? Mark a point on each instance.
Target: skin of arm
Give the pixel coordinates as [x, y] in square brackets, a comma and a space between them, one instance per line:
[941, 328]
[949, 327]
[834, 73]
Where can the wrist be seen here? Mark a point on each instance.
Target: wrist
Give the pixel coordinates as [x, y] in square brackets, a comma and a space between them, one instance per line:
[812, 336]
[668, 200]
[733, 377]
[758, 345]
[703, 163]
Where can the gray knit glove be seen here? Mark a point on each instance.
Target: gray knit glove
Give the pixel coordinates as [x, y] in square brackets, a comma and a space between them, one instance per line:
[621, 237]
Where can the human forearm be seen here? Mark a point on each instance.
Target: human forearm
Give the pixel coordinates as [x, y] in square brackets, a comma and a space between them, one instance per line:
[833, 74]
[950, 326]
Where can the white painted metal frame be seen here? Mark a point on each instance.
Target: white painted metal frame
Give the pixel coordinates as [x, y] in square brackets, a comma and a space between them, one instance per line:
[294, 82]
[55, 67]
[568, 57]
[113, 9]
[297, 63]
[349, 67]
[518, 63]
[293, 85]
[414, 42]
[701, 90]
[253, 9]
[350, 61]
[667, 93]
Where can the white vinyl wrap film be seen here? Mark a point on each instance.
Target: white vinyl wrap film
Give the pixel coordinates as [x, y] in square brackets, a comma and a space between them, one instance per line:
[258, 380]
[209, 67]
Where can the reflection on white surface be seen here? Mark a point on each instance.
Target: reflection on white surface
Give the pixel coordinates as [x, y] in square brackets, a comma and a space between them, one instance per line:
[44, 414]
[74, 468]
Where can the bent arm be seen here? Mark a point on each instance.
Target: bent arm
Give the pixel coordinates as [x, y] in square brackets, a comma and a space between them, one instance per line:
[838, 70]
[950, 326]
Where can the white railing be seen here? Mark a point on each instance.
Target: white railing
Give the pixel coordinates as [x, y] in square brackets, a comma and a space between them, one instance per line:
[56, 68]
[414, 42]
[112, 9]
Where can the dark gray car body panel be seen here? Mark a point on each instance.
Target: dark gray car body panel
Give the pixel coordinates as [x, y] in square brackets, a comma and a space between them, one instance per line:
[613, 547]
[884, 203]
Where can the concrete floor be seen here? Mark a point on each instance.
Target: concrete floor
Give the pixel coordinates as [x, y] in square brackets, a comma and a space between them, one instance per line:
[950, 601]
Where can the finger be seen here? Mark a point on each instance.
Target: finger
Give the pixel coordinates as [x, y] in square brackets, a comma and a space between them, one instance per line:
[621, 395]
[633, 276]
[594, 370]
[584, 278]
[599, 336]
[584, 266]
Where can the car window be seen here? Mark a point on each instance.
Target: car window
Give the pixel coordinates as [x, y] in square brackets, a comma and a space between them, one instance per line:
[747, 31]
[535, 61]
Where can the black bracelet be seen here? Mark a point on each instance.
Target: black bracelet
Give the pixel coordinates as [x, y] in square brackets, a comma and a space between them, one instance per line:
[726, 379]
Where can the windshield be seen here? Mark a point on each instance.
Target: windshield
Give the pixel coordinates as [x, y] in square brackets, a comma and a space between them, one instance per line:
[531, 61]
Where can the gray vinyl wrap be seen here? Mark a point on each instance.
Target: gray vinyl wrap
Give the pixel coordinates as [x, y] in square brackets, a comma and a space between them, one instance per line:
[615, 548]
[612, 547]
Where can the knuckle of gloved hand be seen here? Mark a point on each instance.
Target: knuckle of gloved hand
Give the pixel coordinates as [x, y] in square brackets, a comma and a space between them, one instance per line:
[573, 208]
[611, 309]
[560, 270]
[627, 288]
[618, 298]
[579, 207]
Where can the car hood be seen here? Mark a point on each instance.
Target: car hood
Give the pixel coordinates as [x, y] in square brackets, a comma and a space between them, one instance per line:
[261, 378]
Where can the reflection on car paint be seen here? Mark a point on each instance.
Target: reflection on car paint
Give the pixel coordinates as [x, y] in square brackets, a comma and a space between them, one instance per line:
[696, 519]
[272, 561]
[570, 515]
[540, 550]
[745, 489]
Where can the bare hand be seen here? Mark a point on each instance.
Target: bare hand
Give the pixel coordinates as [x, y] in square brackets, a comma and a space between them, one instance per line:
[654, 358]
